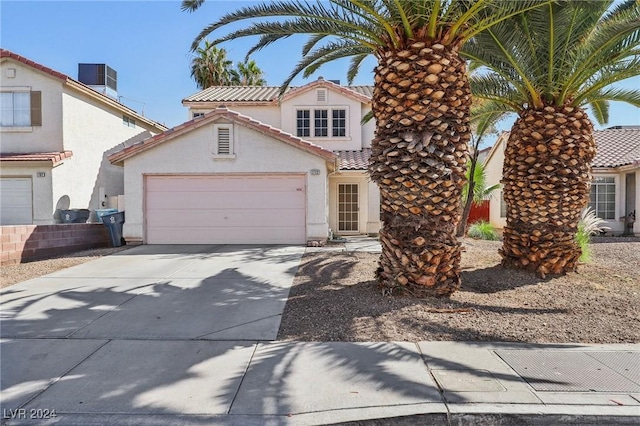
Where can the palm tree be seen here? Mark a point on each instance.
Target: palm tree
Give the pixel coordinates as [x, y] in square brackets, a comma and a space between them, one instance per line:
[420, 101]
[547, 65]
[210, 67]
[248, 74]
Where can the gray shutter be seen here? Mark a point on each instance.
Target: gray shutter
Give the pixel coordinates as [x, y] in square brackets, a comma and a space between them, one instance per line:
[36, 108]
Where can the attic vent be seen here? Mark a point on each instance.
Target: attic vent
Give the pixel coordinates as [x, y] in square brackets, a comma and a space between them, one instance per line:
[224, 141]
[321, 95]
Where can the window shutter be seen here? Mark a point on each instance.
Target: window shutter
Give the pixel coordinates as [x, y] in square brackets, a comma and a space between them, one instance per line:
[224, 141]
[36, 108]
[321, 95]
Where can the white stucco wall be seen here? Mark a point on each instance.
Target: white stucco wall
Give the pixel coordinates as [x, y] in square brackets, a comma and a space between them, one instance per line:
[91, 131]
[493, 168]
[45, 138]
[254, 153]
[368, 129]
[335, 100]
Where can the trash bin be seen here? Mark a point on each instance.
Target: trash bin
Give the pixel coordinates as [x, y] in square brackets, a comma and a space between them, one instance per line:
[74, 215]
[114, 222]
[102, 212]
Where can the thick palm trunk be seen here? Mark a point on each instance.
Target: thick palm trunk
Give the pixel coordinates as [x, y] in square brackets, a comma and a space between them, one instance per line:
[421, 104]
[546, 178]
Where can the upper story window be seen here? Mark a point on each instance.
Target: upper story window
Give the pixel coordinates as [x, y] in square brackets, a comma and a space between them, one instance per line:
[323, 120]
[320, 123]
[128, 121]
[603, 197]
[20, 109]
[303, 123]
[198, 114]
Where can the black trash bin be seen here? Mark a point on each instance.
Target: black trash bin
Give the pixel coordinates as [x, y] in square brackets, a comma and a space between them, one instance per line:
[114, 222]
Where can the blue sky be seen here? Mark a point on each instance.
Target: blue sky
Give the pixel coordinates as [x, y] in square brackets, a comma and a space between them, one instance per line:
[148, 44]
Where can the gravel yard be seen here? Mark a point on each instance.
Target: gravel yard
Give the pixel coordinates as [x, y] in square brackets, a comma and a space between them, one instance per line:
[335, 298]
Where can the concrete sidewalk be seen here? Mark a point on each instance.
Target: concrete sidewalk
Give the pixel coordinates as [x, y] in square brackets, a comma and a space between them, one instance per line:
[195, 382]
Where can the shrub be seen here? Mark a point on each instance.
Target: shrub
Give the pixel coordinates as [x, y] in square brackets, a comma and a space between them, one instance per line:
[589, 225]
[483, 231]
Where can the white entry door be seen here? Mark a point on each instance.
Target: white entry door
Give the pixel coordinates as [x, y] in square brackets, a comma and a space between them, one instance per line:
[16, 206]
[225, 209]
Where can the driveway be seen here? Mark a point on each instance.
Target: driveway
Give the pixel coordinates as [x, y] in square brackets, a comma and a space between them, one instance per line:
[158, 292]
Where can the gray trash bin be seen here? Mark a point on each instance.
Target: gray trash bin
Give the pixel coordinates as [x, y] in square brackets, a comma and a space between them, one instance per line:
[114, 222]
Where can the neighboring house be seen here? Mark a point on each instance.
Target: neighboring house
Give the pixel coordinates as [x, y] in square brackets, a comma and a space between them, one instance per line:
[615, 192]
[251, 167]
[55, 135]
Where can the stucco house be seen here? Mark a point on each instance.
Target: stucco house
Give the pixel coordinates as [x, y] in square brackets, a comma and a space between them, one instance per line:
[253, 167]
[615, 192]
[56, 133]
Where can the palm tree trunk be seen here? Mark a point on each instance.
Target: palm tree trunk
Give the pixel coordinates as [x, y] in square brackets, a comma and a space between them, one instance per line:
[421, 103]
[547, 179]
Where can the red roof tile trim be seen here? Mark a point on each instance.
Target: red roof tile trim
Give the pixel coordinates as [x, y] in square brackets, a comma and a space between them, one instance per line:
[8, 54]
[234, 116]
[354, 160]
[54, 157]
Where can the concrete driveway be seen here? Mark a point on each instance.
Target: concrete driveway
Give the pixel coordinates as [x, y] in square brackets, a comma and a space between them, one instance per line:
[158, 292]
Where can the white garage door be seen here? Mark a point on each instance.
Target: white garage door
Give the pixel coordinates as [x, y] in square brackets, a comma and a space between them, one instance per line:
[247, 209]
[15, 201]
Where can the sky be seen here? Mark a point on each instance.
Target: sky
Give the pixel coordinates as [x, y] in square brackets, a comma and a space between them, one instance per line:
[148, 44]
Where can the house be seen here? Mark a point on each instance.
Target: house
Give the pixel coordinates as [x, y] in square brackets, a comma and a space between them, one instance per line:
[56, 133]
[253, 167]
[615, 192]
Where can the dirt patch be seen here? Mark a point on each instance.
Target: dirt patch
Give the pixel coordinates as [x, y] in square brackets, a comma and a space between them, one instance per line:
[11, 274]
[335, 298]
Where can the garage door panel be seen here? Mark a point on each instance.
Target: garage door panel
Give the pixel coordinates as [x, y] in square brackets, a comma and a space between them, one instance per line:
[16, 206]
[235, 218]
[221, 184]
[225, 235]
[224, 200]
[239, 209]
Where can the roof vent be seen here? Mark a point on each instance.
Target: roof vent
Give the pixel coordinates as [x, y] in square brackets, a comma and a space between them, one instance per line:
[99, 77]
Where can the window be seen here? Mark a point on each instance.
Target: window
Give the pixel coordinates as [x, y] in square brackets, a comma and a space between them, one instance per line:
[320, 123]
[323, 120]
[303, 123]
[503, 205]
[198, 114]
[223, 140]
[603, 197]
[339, 123]
[20, 109]
[128, 121]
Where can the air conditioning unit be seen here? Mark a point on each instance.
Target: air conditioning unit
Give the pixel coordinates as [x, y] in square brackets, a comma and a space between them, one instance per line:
[99, 77]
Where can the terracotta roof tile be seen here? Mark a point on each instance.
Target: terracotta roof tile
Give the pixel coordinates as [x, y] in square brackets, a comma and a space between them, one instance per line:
[617, 146]
[254, 124]
[8, 54]
[54, 157]
[354, 160]
[232, 94]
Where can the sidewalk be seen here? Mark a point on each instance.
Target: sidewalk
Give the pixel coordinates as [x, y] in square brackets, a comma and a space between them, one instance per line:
[137, 382]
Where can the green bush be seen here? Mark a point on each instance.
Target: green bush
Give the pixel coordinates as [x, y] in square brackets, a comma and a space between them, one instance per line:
[483, 231]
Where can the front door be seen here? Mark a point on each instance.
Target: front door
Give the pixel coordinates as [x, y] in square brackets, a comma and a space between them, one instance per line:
[348, 217]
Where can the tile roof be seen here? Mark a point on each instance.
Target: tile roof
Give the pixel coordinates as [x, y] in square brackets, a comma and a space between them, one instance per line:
[617, 146]
[234, 116]
[270, 93]
[54, 157]
[354, 160]
[9, 54]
